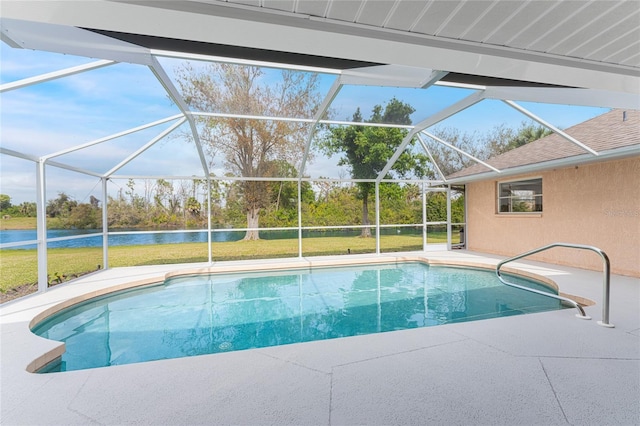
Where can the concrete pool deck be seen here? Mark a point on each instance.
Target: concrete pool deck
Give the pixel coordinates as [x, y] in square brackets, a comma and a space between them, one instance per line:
[546, 368]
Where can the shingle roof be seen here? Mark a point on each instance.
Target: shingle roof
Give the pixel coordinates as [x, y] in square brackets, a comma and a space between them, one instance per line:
[602, 133]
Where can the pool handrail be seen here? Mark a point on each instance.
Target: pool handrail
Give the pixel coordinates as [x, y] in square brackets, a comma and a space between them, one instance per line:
[606, 282]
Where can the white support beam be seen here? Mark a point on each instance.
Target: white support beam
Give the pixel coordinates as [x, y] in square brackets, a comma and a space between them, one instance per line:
[466, 154]
[328, 99]
[110, 137]
[298, 120]
[144, 148]
[395, 156]
[155, 177]
[456, 85]
[41, 226]
[377, 192]
[435, 77]
[251, 117]
[209, 247]
[461, 105]
[550, 126]
[54, 75]
[424, 219]
[19, 154]
[428, 122]
[299, 205]
[448, 192]
[72, 168]
[433, 161]
[175, 95]
[105, 225]
[365, 124]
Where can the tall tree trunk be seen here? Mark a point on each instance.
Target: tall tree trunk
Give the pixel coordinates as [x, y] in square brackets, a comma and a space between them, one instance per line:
[252, 222]
[366, 231]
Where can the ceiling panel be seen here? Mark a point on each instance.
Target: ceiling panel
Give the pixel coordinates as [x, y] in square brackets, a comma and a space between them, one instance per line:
[460, 22]
[285, 5]
[344, 10]
[519, 19]
[376, 12]
[245, 2]
[406, 14]
[568, 25]
[312, 7]
[611, 37]
[541, 21]
[436, 14]
[628, 44]
[629, 55]
[605, 22]
[492, 20]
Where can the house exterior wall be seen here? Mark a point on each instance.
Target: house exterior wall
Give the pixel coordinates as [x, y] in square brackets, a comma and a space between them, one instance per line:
[595, 204]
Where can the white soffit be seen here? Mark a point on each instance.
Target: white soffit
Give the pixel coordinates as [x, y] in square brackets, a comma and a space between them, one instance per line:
[587, 45]
[565, 96]
[70, 41]
[391, 75]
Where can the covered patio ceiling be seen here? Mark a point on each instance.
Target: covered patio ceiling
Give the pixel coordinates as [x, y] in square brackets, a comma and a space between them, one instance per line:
[578, 53]
[586, 44]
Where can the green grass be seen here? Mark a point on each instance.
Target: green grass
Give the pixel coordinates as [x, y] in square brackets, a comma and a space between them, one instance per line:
[14, 223]
[21, 223]
[19, 267]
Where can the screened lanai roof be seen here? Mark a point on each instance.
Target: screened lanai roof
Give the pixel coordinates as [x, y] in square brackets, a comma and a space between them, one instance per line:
[493, 59]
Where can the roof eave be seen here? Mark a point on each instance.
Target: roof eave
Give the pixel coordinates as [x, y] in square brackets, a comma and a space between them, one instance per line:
[576, 160]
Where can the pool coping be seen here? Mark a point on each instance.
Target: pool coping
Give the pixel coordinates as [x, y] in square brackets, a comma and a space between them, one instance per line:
[56, 352]
[562, 345]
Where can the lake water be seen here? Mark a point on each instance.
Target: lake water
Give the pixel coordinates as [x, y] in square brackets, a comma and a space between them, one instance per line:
[140, 238]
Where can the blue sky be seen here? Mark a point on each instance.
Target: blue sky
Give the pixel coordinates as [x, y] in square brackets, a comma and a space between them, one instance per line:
[59, 114]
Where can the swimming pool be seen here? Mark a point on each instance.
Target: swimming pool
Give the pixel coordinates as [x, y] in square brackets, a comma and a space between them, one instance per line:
[206, 314]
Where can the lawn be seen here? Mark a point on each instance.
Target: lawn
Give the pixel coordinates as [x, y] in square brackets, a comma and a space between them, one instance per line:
[14, 223]
[18, 268]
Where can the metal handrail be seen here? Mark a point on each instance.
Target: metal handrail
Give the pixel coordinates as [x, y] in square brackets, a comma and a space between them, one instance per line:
[606, 283]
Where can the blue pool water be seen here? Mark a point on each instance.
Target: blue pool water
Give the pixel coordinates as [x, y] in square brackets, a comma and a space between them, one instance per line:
[205, 314]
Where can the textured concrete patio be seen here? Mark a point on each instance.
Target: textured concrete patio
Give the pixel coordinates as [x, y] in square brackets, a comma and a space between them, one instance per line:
[546, 368]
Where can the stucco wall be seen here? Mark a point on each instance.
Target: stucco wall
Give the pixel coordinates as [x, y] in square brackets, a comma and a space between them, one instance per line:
[595, 204]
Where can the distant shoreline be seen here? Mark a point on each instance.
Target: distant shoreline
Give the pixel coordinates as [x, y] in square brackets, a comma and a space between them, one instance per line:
[17, 223]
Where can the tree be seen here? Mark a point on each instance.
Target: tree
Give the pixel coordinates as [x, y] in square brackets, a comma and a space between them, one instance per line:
[193, 206]
[5, 202]
[400, 203]
[496, 141]
[84, 216]
[367, 149]
[61, 206]
[340, 207]
[167, 203]
[28, 209]
[250, 146]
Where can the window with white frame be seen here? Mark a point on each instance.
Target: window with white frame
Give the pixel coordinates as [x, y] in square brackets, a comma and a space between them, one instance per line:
[521, 196]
